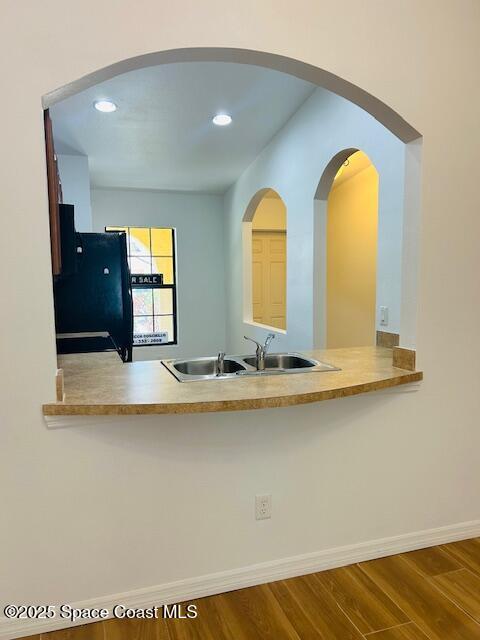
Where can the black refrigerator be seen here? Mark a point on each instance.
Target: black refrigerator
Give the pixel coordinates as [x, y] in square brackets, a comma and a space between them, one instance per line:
[93, 298]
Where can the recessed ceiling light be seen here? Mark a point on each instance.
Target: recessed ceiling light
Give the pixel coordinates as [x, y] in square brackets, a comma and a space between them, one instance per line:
[222, 119]
[105, 106]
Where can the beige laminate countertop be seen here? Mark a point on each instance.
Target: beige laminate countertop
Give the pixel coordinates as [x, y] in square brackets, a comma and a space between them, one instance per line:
[100, 384]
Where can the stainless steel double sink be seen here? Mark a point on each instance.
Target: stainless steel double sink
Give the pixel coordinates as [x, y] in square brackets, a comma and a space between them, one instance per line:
[236, 366]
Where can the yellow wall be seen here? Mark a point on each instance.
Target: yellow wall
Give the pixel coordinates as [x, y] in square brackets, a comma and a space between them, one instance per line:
[352, 218]
[271, 214]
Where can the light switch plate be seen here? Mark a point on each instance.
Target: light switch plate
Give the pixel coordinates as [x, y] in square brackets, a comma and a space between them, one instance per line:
[384, 316]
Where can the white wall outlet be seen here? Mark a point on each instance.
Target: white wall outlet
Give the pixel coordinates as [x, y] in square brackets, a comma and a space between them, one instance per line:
[263, 507]
[384, 316]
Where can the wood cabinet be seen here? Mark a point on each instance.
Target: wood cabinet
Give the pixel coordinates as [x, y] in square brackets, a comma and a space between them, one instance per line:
[54, 195]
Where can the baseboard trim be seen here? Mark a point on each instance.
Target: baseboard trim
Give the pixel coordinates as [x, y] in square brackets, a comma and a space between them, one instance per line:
[221, 582]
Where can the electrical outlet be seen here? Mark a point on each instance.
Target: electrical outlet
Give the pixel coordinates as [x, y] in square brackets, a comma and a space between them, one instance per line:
[263, 507]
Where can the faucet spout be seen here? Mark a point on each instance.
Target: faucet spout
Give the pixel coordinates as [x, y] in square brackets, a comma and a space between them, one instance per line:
[268, 340]
[261, 350]
[220, 364]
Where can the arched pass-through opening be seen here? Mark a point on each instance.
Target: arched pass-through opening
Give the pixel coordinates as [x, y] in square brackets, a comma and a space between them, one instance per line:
[384, 114]
[372, 105]
[264, 236]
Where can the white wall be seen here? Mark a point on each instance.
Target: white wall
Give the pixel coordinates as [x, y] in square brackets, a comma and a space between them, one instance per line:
[75, 179]
[97, 510]
[198, 220]
[293, 164]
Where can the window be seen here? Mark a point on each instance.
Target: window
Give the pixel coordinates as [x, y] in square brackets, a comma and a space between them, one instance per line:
[151, 258]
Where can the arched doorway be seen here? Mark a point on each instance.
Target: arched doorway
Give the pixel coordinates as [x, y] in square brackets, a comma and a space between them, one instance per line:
[265, 260]
[346, 247]
[322, 78]
[351, 238]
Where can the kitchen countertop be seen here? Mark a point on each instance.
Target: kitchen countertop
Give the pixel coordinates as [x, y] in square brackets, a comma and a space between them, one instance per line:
[100, 384]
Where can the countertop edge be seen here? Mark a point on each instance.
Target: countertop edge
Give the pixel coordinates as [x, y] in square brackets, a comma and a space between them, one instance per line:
[244, 404]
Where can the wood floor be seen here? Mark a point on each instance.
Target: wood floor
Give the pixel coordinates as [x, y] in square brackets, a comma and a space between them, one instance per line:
[432, 594]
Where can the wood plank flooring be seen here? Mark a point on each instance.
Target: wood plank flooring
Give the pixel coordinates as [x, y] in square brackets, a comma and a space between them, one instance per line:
[431, 594]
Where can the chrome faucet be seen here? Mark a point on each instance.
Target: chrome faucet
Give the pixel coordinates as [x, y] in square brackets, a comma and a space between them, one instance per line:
[261, 350]
[220, 364]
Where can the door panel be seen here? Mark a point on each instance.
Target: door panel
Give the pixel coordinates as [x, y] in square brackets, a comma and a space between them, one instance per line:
[277, 283]
[269, 273]
[257, 290]
[277, 246]
[257, 245]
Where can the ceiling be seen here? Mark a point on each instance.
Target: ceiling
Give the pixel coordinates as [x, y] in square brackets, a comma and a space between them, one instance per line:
[162, 137]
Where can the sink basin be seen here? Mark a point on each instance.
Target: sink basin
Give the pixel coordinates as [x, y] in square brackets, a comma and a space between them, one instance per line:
[202, 368]
[283, 361]
[206, 367]
[276, 363]
[234, 366]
